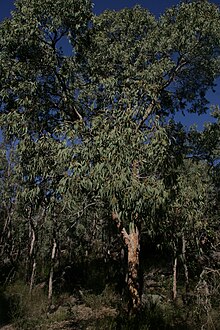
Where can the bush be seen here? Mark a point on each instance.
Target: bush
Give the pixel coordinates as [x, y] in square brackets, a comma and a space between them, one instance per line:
[25, 310]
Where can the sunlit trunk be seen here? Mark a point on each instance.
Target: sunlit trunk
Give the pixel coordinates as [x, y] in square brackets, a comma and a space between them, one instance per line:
[184, 261]
[32, 255]
[175, 279]
[33, 273]
[132, 241]
[53, 256]
[32, 260]
[133, 245]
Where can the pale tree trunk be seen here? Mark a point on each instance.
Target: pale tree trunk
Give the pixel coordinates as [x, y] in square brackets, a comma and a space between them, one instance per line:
[133, 245]
[175, 278]
[33, 273]
[32, 254]
[132, 241]
[53, 256]
[184, 261]
[32, 259]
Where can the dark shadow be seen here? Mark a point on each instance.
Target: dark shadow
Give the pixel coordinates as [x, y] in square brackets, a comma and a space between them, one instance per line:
[5, 315]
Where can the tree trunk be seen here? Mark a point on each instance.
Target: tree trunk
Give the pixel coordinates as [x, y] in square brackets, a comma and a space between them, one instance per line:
[6, 235]
[32, 255]
[184, 262]
[132, 242]
[175, 278]
[53, 255]
[33, 276]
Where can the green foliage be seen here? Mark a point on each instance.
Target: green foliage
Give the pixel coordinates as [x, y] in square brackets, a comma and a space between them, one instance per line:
[137, 60]
[89, 133]
[26, 311]
[109, 156]
[205, 144]
[37, 79]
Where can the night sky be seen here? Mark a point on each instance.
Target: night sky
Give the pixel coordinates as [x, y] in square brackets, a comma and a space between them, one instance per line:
[156, 7]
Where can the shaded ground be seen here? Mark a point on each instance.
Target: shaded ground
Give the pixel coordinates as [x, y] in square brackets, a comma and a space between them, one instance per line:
[76, 316]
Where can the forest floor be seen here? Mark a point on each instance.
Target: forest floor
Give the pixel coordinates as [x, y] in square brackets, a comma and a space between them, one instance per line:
[86, 309]
[72, 314]
[83, 317]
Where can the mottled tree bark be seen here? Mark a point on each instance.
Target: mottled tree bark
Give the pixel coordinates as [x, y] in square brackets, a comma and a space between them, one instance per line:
[133, 245]
[132, 241]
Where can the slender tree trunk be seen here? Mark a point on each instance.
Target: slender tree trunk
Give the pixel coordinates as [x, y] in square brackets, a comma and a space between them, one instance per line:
[175, 278]
[4, 229]
[32, 255]
[53, 256]
[6, 235]
[184, 262]
[3, 240]
[33, 273]
[132, 242]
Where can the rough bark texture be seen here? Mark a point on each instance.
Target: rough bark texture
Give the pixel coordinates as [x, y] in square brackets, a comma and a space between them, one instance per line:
[132, 242]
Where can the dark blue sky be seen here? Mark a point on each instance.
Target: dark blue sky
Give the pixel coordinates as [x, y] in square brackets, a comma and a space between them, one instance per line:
[157, 7]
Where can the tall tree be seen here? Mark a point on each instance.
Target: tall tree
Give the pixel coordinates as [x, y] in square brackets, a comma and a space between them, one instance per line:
[95, 123]
[39, 87]
[143, 70]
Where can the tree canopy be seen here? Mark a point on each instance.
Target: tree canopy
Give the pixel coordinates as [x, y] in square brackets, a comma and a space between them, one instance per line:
[91, 152]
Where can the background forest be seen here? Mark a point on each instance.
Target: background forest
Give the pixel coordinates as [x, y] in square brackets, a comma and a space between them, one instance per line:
[109, 207]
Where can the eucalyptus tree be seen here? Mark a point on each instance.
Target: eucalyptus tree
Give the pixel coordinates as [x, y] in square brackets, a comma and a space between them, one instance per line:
[39, 86]
[11, 238]
[204, 147]
[38, 82]
[94, 123]
[187, 217]
[142, 70]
